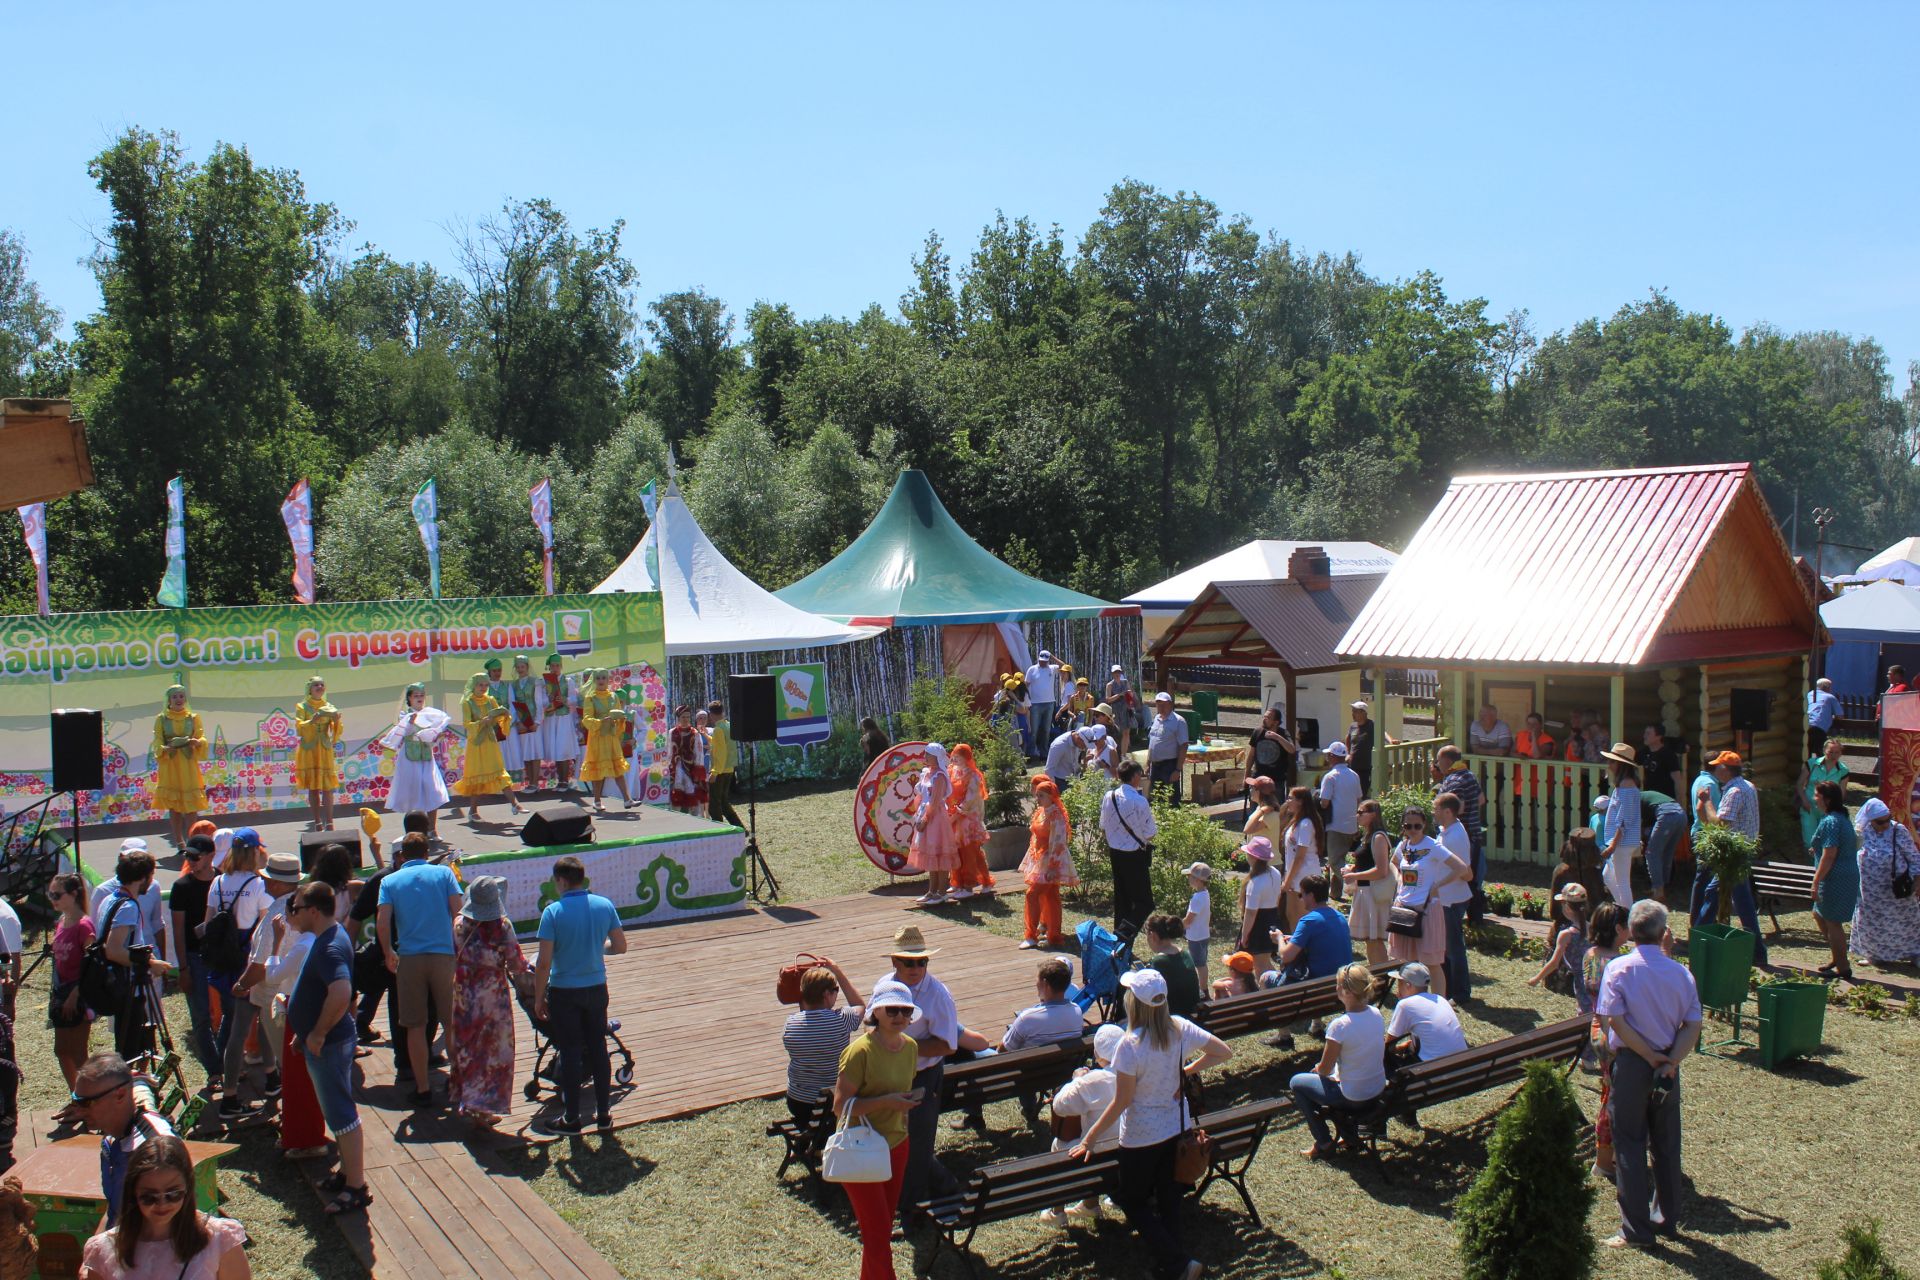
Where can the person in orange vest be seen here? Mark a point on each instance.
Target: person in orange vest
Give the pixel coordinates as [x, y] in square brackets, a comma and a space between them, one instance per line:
[1533, 743]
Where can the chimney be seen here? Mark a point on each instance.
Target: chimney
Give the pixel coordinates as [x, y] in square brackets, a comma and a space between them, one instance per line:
[1311, 568]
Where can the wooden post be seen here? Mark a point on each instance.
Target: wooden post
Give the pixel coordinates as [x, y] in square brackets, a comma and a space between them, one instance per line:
[1380, 779]
[1617, 707]
[1457, 715]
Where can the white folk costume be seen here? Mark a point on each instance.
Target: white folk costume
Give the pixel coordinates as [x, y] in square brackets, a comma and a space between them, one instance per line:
[418, 782]
[524, 744]
[559, 698]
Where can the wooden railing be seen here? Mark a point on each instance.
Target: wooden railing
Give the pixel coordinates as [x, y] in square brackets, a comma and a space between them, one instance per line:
[1529, 806]
[1409, 763]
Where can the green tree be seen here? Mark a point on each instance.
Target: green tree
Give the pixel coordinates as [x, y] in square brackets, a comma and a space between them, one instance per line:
[1526, 1213]
[678, 381]
[1866, 1257]
[392, 361]
[32, 358]
[741, 494]
[615, 517]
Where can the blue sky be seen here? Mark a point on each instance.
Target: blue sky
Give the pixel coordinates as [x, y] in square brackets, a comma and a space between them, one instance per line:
[1755, 160]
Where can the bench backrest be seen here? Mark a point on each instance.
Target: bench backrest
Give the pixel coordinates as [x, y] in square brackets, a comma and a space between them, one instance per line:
[1236, 1131]
[1019, 1074]
[1782, 879]
[1484, 1066]
[1016, 1188]
[1270, 1007]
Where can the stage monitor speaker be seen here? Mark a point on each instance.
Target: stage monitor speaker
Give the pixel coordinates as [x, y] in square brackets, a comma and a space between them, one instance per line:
[557, 824]
[1306, 733]
[78, 763]
[750, 707]
[312, 842]
[1750, 709]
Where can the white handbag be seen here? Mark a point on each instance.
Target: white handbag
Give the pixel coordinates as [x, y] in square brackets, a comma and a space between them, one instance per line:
[857, 1152]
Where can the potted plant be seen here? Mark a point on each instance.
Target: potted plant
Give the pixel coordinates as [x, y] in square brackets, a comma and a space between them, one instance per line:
[1500, 899]
[1531, 908]
[1007, 790]
[1720, 955]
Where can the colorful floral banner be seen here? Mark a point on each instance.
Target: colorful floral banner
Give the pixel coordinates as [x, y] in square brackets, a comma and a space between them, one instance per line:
[244, 669]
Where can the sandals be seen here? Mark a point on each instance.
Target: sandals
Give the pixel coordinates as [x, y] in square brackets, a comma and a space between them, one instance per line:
[349, 1200]
[1318, 1151]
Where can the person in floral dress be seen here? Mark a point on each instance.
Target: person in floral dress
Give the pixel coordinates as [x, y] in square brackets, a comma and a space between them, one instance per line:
[1048, 865]
[969, 805]
[486, 955]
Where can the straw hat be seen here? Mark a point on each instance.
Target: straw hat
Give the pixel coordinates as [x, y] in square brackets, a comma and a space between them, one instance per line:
[1622, 753]
[910, 942]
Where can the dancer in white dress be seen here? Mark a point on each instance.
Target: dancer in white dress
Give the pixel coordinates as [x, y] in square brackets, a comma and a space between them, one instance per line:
[524, 743]
[559, 697]
[418, 782]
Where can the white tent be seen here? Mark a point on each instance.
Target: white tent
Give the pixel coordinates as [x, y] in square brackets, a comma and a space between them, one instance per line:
[1898, 563]
[711, 607]
[1264, 560]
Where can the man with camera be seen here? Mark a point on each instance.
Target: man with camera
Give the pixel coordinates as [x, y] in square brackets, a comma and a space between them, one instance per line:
[128, 943]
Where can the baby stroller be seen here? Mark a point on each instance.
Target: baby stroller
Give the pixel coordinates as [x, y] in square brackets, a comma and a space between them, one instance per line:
[1103, 958]
[546, 1058]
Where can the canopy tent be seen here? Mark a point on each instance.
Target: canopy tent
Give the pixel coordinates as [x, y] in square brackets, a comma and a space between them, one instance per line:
[1898, 563]
[711, 607]
[1860, 622]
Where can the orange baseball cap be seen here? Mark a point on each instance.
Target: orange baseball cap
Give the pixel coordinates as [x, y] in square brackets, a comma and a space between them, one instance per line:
[1731, 759]
[1241, 961]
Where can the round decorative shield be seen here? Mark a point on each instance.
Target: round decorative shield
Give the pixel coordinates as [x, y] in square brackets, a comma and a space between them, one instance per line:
[881, 822]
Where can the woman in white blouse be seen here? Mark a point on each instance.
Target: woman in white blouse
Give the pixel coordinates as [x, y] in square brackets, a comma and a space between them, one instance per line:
[1352, 1069]
[1423, 865]
[1302, 816]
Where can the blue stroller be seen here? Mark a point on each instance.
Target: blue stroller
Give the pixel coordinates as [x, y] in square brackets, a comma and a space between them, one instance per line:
[1103, 958]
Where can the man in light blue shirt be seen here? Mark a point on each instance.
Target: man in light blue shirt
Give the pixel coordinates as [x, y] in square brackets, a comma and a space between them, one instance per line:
[1340, 787]
[415, 927]
[1043, 693]
[577, 933]
[1739, 810]
[1055, 1018]
[1822, 707]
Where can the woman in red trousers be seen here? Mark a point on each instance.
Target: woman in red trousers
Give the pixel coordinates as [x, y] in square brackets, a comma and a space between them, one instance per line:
[876, 1085]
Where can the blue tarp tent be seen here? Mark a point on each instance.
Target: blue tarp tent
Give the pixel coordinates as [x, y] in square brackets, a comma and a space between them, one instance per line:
[1860, 621]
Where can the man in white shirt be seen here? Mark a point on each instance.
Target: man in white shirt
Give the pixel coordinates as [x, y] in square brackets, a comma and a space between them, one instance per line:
[1043, 692]
[1340, 788]
[1166, 745]
[1454, 895]
[1423, 1017]
[281, 877]
[1489, 735]
[1126, 824]
[935, 1029]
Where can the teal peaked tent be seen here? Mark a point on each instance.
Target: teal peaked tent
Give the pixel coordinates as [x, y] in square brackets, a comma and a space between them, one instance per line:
[915, 567]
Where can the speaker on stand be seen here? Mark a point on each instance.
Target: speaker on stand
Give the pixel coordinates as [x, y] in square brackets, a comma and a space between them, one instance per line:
[750, 712]
[79, 759]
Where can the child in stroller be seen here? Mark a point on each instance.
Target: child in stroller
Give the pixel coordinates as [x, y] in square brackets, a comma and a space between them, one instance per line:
[546, 1058]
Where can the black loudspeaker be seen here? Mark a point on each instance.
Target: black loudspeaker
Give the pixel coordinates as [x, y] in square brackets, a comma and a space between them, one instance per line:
[558, 824]
[1749, 709]
[78, 763]
[312, 842]
[1306, 733]
[750, 708]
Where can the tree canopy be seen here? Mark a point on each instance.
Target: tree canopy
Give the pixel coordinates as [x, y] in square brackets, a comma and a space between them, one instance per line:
[1099, 409]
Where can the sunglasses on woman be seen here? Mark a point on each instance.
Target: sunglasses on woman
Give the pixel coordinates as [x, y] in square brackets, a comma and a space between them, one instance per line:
[157, 1199]
[1413, 826]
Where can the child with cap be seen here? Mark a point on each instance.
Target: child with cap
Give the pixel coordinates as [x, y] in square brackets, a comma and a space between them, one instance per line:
[1199, 918]
[1570, 948]
[1080, 1100]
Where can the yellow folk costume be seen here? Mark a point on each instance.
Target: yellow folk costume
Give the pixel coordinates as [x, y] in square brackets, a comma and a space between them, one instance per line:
[605, 722]
[177, 785]
[318, 723]
[485, 772]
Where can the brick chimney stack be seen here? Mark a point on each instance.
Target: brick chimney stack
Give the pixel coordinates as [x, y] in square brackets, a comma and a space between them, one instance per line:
[1311, 568]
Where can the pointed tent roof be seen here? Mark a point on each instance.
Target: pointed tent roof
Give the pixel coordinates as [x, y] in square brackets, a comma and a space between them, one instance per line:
[1604, 569]
[914, 566]
[1899, 563]
[710, 606]
[1263, 560]
[1877, 609]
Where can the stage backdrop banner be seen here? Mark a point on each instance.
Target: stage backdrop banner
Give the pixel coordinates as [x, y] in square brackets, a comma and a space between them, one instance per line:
[246, 668]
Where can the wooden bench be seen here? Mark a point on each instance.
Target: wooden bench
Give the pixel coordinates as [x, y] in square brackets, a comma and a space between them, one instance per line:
[1276, 1007]
[1010, 1189]
[1775, 883]
[1024, 1074]
[1470, 1071]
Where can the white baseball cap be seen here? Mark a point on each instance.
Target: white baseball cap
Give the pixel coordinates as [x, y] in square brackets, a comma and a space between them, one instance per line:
[133, 844]
[1045, 654]
[1106, 1040]
[1163, 696]
[1117, 667]
[1337, 750]
[1147, 986]
[1360, 705]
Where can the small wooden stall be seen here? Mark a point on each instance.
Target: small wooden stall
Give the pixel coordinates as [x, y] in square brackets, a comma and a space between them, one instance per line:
[46, 450]
[1661, 597]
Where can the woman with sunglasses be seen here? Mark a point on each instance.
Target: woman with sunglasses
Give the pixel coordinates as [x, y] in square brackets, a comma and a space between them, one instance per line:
[876, 1085]
[160, 1235]
[1370, 882]
[67, 1013]
[1423, 866]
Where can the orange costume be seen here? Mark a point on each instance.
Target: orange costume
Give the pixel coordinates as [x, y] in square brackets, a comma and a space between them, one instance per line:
[1048, 864]
[969, 807]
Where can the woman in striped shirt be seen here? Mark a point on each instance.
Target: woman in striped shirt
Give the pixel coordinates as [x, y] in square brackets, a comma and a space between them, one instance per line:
[815, 1036]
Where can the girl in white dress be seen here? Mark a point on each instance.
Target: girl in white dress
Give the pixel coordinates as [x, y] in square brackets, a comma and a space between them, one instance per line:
[418, 782]
[524, 743]
[559, 698]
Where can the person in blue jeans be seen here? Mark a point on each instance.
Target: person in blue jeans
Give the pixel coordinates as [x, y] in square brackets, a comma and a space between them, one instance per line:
[187, 908]
[1352, 1070]
[1735, 804]
[577, 933]
[320, 1015]
[1321, 942]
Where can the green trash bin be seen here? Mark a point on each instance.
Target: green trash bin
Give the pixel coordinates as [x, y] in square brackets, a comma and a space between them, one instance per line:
[1793, 1020]
[1193, 724]
[1206, 705]
[1721, 957]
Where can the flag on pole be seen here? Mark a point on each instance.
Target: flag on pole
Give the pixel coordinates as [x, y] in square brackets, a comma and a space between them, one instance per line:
[542, 495]
[173, 587]
[650, 501]
[426, 514]
[297, 514]
[33, 524]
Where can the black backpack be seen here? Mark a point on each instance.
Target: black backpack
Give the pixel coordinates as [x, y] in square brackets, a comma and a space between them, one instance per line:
[104, 984]
[223, 943]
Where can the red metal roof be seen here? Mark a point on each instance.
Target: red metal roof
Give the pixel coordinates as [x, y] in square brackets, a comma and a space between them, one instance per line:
[1575, 568]
[1268, 623]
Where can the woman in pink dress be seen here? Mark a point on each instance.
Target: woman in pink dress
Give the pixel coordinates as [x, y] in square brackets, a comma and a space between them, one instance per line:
[935, 847]
[486, 956]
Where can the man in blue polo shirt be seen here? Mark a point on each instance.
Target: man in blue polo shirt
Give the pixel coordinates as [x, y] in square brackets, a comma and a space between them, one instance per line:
[1319, 945]
[320, 1016]
[570, 989]
[415, 926]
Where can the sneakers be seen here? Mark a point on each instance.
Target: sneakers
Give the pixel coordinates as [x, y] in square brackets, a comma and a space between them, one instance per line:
[1282, 1041]
[931, 899]
[1028, 944]
[1053, 1217]
[563, 1125]
[959, 895]
[1080, 1210]
[231, 1108]
[273, 1084]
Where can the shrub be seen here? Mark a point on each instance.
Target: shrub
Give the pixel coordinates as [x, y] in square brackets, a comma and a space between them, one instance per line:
[1185, 835]
[1526, 1213]
[1006, 774]
[1865, 1258]
[1397, 799]
[1729, 855]
[942, 711]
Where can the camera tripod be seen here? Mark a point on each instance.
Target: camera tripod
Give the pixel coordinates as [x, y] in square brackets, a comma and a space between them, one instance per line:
[141, 1036]
[762, 887]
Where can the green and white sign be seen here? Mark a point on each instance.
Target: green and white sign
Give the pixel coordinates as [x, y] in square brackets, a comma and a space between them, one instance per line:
[800, 703]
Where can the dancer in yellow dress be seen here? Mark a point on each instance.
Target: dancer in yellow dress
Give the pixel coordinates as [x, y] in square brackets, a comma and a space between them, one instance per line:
[179, 745]
[485, 771]
[605, 721]
[318, 723]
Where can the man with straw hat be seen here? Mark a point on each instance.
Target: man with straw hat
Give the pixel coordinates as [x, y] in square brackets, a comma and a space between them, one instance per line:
[935, 1029]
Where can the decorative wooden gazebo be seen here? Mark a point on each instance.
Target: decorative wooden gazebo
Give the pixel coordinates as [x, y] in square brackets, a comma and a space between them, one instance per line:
[1662, 596]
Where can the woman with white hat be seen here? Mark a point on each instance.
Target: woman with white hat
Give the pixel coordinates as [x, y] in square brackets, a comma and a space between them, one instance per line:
[1260, 895]
[1886, 923]
[486, 957]
[1150, 1071]
[934, 847]
[876, 1085]
[1624, 840]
